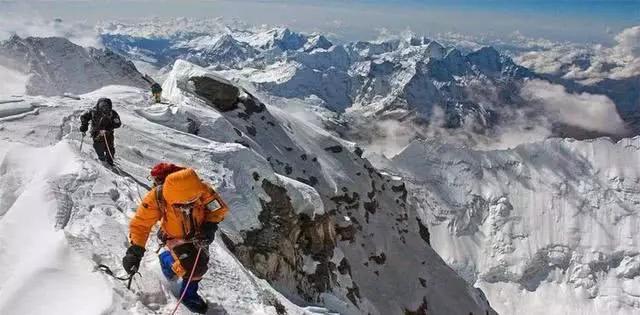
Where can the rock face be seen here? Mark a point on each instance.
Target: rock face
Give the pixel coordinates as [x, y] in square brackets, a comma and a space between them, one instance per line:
[58, 66]
[221, 94]
[358, 240]
[280, 250]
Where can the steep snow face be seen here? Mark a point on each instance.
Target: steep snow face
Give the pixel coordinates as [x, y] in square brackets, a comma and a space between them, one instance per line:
[357, 241]
[63, 215]
[550, 226]
[38, 258]
[56, 66]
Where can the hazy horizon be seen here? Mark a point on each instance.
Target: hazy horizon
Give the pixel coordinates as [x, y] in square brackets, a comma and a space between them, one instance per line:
[571, 20]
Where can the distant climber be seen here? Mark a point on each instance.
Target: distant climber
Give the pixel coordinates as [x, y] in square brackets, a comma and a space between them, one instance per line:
[189, 212]
[103, 121]
[156, 91]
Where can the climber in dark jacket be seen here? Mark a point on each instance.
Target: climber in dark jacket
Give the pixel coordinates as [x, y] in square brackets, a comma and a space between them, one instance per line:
[156, 91]
[103, 121]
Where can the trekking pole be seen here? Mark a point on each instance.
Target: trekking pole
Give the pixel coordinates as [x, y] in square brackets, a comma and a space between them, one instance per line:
[193, 269]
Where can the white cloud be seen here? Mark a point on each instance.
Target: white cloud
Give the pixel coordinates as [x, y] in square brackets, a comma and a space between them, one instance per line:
[589, 64]
[13, 82]
[587, 111]
[78, 32]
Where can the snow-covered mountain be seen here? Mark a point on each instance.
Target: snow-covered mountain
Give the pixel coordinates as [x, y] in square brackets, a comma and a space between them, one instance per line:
[56, 66]
[549, 227]
[273, 118]
[414, 81]
[376, 77]
[310, 216]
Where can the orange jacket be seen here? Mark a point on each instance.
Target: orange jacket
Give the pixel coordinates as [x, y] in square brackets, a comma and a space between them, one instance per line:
[179, 187]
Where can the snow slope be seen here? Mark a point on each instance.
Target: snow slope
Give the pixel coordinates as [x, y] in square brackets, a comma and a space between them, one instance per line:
[545, 227]
[358, 239]
[39, 261]
[340, 257]
[64, 213]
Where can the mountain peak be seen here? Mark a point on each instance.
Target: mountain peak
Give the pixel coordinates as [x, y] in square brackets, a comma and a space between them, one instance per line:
[435, 50]
[486, 59]
[59, 66]
[317, 42]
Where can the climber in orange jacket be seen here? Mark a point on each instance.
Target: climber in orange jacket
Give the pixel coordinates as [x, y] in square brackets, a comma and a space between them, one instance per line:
[189, 212]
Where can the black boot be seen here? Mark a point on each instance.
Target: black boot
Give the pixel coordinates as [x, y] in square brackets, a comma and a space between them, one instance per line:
[192, 300]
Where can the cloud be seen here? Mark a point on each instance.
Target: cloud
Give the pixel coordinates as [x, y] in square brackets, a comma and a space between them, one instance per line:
[589, 64]
[80, 33]
[587, 111]
[14, 82]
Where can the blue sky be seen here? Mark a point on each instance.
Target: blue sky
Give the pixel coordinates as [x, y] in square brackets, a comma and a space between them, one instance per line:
[573, 20]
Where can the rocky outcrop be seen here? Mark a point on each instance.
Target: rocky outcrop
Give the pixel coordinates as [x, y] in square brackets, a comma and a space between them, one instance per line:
[331, 227]
[219, 92]
[290, 249]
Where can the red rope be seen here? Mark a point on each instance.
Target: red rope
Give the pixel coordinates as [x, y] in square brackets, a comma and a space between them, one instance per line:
[188, 282]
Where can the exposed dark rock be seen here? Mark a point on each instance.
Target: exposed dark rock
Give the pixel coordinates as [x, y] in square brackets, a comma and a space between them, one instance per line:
[193, 127]
[251, 130]
[252, 106]
[243, 143]
[334, 149]
[256, 176]
[424, 232]
[219, 92]
[401, 189]
[344, 267]
[346, 199]
[423, 282]
[353, 294]
[379, 259]
[312, 181]
[275, 251]
[370, 206]
[421, 310]
[346, 233]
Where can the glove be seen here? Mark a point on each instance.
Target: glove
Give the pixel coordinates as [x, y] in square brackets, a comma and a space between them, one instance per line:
[131, 261]
[102, 132]
[84, 128]
[208, 232]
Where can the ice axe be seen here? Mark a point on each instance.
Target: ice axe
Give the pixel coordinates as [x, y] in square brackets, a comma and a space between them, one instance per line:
[107, 270]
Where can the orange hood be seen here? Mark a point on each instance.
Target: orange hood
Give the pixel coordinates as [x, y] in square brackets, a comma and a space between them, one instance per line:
[182, 187]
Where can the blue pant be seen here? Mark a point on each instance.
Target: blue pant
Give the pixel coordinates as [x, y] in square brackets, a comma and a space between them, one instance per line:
[166, 262]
